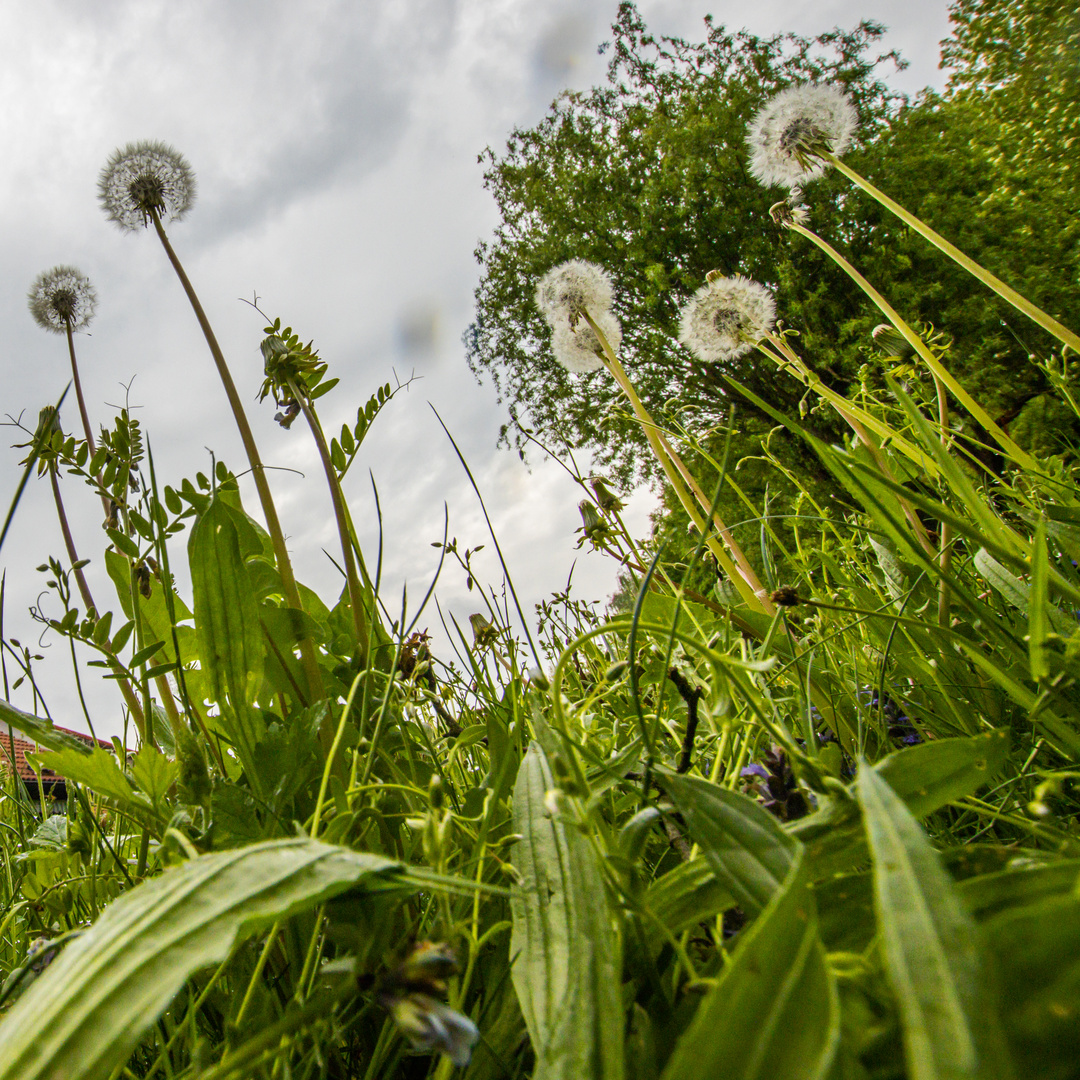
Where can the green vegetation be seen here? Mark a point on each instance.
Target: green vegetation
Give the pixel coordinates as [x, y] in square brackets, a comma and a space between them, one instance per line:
[813, 817]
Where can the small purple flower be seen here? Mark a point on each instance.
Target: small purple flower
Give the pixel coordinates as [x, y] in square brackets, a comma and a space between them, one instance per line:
[430, 1025]
[755, 770]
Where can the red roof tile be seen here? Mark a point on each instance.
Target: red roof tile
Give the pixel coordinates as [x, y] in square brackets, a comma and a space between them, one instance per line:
[13, 748]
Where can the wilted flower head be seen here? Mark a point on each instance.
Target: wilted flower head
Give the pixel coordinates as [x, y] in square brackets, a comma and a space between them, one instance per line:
[430, 1025]
[725, 317]
[143, 177]
[799, 120]
[62, 297]
[578, 348]
[572, 287]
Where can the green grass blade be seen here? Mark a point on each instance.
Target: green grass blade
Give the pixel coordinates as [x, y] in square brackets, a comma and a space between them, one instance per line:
[86, 1013]
[774, 1014]
[564, 949]
[948, 1013]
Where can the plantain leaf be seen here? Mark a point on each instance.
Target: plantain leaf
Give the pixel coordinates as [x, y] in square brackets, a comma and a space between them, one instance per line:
[749, 852]
[926, 777]
[228, 632]
[947, 1009]
[774, 1014]
[85, 1014]
[1037, 949]
[564, 949]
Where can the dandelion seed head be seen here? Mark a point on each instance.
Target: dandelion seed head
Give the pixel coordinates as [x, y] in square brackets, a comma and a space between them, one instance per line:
[143, 178]
[570, 288]
[578, 348]
[785, 131]
[725, 317]
[62, 297]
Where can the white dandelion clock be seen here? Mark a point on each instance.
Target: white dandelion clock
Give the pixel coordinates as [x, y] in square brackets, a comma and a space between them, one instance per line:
[726, 317]
[570, 288]
[143, 179]
[786, 132]
[62, 298]
[578, 348]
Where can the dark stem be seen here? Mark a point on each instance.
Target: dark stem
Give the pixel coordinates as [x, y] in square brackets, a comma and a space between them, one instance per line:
[691, 695]
[273, 525]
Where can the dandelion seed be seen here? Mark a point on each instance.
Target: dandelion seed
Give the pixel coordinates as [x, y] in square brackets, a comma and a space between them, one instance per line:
[726, 317]
[144, 178]
[570, 288]
[578, 348]
[62, 297]
[786, 133]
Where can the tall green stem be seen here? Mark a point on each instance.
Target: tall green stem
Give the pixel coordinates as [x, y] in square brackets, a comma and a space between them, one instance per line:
[356, 592]
[273, 525]
[1021, 457]
[739, 571]
[126, 689]
[1026, 307]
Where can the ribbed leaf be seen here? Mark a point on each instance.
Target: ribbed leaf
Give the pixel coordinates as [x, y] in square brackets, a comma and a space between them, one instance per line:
[564, 949]
[926, 777]
[774, 1014]
[749, 852]
[948, 1013]
[228, 631]
[86, 1013]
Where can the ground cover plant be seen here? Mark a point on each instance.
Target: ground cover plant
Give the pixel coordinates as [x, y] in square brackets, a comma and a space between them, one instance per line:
[803, 808]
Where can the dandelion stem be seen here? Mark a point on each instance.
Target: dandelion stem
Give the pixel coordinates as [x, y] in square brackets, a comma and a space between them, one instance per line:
[126, 689]
[847, 414]
[258, 472]
[78, 388]
[1021, 457]
[1026, 307]
[739, 571]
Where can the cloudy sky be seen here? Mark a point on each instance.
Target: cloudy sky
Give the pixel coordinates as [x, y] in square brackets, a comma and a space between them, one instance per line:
[336, 144]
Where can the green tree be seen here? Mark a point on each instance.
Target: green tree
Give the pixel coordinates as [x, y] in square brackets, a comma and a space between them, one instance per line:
[647, 176]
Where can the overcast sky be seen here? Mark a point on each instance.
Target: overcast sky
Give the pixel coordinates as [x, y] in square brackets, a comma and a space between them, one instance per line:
[335, 143]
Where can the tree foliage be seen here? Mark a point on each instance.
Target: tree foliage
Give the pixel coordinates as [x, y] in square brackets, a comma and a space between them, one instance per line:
[647, 175]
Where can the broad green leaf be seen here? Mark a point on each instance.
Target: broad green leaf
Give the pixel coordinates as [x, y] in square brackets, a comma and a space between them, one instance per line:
[153, 610]
[98, 771]
[87, 1012]
[686, 895]
[992, 894]
[947, 1009]
[226, 611]
[1037, 950]
[563, 946]
[747, 848]
[774, 1014]
[39, 729]
[927, 777]
[154, 773]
